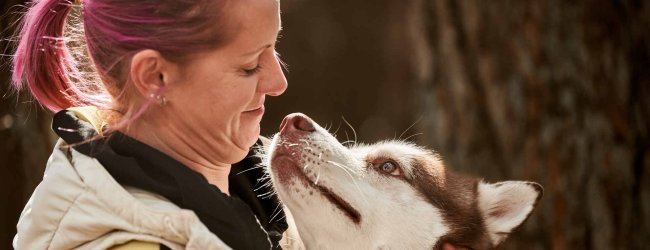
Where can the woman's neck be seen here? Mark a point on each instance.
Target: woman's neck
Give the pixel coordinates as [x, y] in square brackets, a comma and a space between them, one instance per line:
[185, 150]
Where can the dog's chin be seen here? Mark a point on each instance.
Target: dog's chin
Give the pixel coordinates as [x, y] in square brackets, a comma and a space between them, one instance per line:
[287, 168]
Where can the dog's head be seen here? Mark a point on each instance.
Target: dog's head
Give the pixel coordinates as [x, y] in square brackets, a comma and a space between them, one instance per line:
[390, 194]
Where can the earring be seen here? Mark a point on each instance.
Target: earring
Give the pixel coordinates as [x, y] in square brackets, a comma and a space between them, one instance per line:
[159, 98]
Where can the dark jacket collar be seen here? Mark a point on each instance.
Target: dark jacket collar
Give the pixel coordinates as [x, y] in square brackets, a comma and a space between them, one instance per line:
[133, 163]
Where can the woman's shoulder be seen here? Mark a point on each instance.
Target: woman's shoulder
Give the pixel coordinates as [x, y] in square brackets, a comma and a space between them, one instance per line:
[79, 204]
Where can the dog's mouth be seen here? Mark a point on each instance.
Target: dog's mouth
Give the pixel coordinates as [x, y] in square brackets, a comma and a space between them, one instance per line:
[337, 201]
[287, 165]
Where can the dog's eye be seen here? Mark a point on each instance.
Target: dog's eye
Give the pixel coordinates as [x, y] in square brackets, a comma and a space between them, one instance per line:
[390, 167]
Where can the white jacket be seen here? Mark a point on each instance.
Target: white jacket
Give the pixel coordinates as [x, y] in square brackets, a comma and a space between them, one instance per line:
[78, 205]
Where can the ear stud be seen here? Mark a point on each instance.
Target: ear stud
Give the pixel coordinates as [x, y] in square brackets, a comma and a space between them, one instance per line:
[160, 99]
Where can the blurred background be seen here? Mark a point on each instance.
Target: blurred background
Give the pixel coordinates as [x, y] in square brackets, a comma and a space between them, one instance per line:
[556, 92]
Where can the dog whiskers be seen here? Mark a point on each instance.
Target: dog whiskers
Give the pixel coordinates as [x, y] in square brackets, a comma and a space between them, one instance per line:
[244, 171]
[275, 212]
[341, 166]
[267, 194]
[353, 131]
[263, 186]
[407, 129]
[416, 134]
[305, 141]
[356, 185]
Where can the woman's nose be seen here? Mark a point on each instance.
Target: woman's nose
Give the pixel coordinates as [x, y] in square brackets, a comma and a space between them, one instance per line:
[275, 83]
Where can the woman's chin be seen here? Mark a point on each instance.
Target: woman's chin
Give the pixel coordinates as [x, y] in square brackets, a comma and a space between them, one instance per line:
[242, 146]
[251, 136]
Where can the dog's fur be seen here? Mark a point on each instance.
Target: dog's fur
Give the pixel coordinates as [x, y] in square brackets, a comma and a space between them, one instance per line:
[353, 198]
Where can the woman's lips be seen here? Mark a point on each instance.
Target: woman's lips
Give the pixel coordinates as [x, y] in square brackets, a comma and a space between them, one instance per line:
[257, 111]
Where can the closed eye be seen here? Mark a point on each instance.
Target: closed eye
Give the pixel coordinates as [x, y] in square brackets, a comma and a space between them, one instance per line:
[252, 71]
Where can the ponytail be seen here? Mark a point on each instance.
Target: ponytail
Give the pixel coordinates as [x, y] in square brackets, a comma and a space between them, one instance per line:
[43, 61]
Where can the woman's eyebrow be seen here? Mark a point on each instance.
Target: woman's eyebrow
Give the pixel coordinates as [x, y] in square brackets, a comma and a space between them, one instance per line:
[257, 50]
[263, 47]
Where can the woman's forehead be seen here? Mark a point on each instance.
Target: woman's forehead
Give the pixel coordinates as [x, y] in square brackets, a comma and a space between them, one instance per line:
[257, 24]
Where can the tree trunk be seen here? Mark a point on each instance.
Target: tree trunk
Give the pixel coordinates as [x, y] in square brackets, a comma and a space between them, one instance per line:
[551, 91]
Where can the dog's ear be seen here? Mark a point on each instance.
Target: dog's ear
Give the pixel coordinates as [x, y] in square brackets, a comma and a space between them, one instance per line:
[505, 205]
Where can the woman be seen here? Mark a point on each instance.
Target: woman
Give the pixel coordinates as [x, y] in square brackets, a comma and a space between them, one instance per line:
[155, 146]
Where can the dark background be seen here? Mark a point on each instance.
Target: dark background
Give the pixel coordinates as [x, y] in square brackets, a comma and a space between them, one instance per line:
[550, 91]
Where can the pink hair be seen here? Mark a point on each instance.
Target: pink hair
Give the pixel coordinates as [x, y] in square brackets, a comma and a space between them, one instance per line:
[113, 31]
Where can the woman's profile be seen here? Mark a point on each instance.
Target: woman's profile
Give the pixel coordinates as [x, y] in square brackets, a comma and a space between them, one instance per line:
[159, 123]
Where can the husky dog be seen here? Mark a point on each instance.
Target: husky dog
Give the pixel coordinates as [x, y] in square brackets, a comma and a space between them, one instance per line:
[389, 195]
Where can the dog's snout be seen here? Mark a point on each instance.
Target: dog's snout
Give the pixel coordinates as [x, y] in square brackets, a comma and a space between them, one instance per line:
[297, 122]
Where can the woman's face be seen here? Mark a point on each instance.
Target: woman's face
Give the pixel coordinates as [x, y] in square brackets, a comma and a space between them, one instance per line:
[218, 100]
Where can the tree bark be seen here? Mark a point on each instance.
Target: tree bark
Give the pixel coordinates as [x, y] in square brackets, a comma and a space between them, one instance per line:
[550, 91]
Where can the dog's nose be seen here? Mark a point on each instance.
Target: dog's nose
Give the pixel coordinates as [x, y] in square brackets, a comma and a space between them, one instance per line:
[297, 122]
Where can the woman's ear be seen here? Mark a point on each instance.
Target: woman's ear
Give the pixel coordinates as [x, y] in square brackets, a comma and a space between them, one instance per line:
[148, 70]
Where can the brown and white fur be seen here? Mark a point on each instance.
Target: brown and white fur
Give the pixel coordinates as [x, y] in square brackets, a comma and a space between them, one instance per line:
[389, 195]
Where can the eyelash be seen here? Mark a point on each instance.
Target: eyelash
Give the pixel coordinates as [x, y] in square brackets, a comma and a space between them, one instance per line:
[253, 71]
[256, 69]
